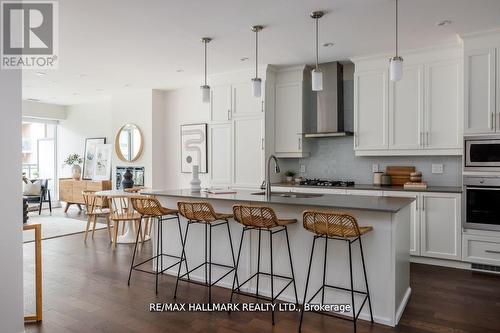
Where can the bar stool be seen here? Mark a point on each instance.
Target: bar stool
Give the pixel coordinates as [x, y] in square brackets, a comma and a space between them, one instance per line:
[336, 226]
[203, 213]
[263, 219]
[150, 208]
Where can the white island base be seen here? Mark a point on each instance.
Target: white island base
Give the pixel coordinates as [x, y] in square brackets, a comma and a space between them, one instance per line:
[386, 250]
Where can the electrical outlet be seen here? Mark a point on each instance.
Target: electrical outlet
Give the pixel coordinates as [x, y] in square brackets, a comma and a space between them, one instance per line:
[437, 168]
[375, 167]
[302, 168]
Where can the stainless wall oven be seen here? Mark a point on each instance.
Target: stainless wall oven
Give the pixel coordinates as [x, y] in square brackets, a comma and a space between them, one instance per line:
[481, 206]
[482, 153]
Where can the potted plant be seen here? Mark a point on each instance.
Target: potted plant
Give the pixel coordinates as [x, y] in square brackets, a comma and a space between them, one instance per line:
[289, 176]
[74, 160]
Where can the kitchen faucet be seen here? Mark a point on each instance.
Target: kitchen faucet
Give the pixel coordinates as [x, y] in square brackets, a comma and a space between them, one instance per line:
[268, 174]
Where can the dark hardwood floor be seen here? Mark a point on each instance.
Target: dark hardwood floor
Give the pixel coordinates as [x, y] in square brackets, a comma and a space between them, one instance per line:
[85, 290]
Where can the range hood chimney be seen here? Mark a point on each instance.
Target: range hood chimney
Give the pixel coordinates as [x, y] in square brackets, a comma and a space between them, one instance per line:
[329, 113]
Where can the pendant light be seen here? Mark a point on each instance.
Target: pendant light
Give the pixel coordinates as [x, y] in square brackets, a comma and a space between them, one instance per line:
[396, 62]
[256, 81]
[205, 89]
[316, 74]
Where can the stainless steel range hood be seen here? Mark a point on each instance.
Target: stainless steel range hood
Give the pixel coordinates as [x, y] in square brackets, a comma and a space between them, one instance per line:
[329, 113]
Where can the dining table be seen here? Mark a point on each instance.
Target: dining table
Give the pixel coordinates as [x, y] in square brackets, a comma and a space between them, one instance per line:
[130, 234]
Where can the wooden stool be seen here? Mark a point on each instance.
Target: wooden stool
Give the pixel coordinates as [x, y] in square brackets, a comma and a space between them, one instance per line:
[203, 212]
[150, 208]
[262, 219]
[336, 226]
[95, 209]
[120, 212]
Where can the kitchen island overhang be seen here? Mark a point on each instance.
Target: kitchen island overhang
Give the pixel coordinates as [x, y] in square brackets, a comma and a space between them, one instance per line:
[386, 248]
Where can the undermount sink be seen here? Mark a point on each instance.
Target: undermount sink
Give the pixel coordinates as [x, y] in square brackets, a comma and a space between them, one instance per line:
[291, 194]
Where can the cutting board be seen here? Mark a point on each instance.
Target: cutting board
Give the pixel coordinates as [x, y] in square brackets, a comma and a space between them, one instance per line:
[399, 174]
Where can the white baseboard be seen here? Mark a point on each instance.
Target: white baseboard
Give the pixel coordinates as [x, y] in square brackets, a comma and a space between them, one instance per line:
[441, 262]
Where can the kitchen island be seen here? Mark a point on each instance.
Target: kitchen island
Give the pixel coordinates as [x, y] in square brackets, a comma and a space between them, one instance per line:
[386, 248]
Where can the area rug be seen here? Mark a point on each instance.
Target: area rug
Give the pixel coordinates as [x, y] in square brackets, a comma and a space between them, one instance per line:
[57, 226]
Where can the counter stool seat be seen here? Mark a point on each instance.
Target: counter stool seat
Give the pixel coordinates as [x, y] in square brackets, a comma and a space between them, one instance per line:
[200, 212]
[262, 218]
[341, 226]
[149, 207]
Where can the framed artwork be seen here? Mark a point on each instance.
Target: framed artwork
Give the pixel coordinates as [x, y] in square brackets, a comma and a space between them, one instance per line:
[194, 147]
[102, 167]
[89, 157]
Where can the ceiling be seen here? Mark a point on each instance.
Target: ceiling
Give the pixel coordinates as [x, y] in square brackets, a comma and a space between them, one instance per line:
[115, 46]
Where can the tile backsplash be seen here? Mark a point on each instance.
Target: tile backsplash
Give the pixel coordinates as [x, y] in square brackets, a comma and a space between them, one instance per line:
[334, 158]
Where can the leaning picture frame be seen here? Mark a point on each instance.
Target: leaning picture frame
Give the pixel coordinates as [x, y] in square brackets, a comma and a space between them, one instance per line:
[102, 170]
[89, 157]
[194, 147]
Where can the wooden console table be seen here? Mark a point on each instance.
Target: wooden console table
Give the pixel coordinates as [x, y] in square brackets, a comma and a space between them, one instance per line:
[38, 271]
[70, 190]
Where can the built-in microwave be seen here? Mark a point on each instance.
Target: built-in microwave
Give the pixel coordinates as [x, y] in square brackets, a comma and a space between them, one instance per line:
[481, 202]
[482, 153]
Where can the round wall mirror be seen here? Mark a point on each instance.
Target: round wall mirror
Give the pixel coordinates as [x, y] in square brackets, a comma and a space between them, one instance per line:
[129, 143]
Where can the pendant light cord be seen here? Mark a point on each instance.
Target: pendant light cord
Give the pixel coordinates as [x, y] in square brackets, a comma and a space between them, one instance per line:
[256, 53]
[317, 43]
[397, 28]
[205, 62]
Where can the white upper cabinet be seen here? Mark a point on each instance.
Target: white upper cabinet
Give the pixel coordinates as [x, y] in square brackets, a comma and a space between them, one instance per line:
[249, 151]
[244, 103]
[406, 109]
[221, 154]
[424, 113]
[220, 104]
[370, 110]
[480, 113]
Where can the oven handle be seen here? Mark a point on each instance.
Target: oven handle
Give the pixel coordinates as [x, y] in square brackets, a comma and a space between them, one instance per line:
[482, 188]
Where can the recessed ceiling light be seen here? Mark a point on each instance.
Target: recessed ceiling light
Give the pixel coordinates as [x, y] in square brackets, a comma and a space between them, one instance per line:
[180, 70]
[33, 99]
[127, 85]
[244, 59]
[41, 73]
[99, 89]
[329, 44]
[82, 75]
[442, 23]
[76, 94]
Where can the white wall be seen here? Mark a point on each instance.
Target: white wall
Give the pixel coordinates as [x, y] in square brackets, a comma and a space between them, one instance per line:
[43, 110]
[90, 120]
[11, 250]
[182, 106]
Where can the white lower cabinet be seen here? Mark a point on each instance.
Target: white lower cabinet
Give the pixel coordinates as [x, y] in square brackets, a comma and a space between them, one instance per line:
[440, 226]
[481, 249]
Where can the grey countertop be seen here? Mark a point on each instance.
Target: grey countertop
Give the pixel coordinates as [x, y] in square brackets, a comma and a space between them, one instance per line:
[361, 202]
[443, 189]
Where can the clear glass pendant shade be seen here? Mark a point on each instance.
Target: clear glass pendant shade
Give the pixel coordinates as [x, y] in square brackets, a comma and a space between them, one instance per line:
[396, 69]
[205, 93]
[256, 87]
[317, 79]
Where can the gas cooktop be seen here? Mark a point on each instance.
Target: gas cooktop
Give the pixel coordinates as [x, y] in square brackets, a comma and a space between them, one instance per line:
[327, 182]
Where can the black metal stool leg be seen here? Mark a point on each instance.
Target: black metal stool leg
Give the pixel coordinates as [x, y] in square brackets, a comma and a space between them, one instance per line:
[183, 254]
[185, 257]
[291, 266]
[307, 284]
[160, 222]
[272, 279]
[324, 273]
[210, 267]
[258, 263]
[236, 268]
[135, 250]
[366, 279]
[206, 235]
[157, 254]
[352, 286]
[232, 250]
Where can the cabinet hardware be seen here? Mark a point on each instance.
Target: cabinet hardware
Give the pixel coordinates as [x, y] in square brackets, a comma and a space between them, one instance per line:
[262, 106]
[416, 202]
[492, 251]
[262, 144]
[492, 121]
[427, 138]
[423, 204]
[421, 140]
[228, 114]
[300, 143]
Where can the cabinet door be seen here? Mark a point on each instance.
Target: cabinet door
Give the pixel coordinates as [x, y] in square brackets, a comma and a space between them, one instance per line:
[244, 104]
[441, 231]
[406, 109]
[288, 118]
[220, 103]
[248, 152]
[220, 154]
[479, 91]
[443, 121]
[370, 110]
[414, 218]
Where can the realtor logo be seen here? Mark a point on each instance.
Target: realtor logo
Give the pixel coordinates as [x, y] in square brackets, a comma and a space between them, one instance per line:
[29, 35]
